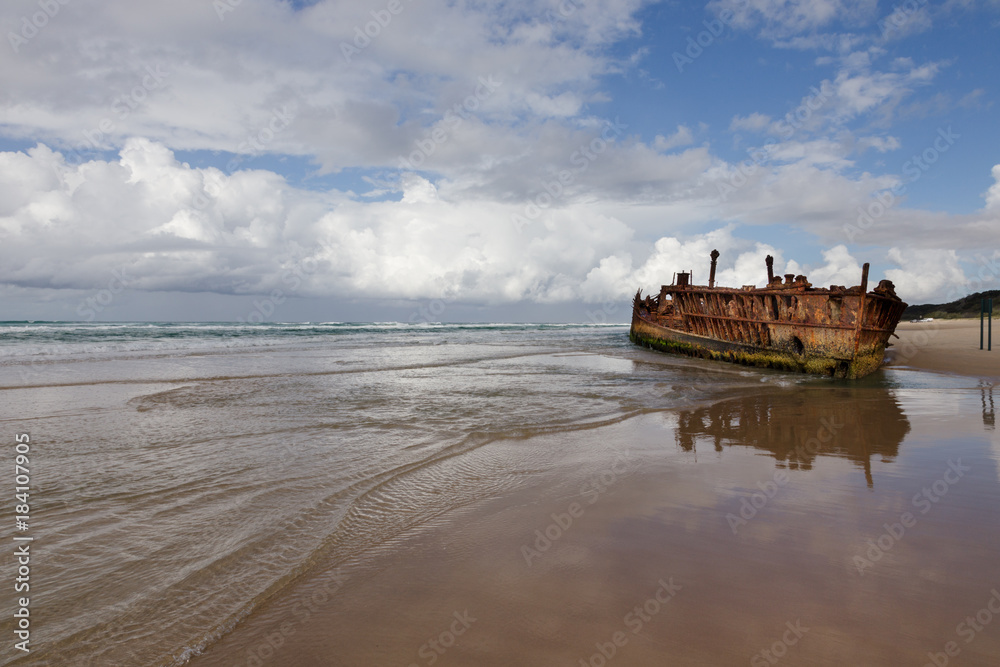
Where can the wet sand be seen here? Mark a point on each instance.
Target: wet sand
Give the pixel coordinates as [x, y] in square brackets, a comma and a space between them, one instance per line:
[946, 346]
[506, 495]
[790, 525]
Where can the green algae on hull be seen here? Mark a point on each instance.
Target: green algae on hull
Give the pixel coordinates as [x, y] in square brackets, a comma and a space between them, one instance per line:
[788, 325]
[783, 361]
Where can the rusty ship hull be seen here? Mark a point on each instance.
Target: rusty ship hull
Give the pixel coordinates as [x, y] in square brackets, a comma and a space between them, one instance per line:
[788, 325]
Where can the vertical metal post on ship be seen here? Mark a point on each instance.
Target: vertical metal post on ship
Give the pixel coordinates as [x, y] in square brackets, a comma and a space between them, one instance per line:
[711, 273]
[861, 309]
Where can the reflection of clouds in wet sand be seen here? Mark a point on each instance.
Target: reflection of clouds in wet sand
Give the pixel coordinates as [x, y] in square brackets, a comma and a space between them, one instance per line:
[792, 564]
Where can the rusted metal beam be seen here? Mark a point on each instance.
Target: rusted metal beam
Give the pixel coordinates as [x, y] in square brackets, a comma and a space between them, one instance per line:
[861, 307]
[797, 323]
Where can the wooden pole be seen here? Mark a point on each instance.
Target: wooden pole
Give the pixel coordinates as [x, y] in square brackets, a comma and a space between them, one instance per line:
[989, 329]
[982, 311]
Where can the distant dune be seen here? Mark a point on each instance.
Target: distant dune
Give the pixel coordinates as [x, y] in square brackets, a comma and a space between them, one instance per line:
[964, 307]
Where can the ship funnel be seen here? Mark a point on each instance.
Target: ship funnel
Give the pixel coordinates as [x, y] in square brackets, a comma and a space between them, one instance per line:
[711, 273]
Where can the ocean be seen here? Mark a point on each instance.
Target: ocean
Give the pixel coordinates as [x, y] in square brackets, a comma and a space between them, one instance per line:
[340, 493]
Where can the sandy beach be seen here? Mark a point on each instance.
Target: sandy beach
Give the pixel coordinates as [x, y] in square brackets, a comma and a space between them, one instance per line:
[945, 346]
[668, 565]
[701, 536]
[499, 334]
[498, 495]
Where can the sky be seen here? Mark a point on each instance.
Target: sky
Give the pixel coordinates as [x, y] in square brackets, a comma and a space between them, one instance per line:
[450, 160]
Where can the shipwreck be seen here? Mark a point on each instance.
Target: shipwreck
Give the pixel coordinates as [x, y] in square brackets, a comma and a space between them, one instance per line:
[787, 325]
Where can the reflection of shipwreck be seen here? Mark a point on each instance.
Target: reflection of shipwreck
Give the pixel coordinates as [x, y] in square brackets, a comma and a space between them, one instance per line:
[989, 412]
[790, 325]
[795, 428]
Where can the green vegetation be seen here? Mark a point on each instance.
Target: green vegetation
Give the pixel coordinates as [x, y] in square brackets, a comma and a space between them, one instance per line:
[964, 307]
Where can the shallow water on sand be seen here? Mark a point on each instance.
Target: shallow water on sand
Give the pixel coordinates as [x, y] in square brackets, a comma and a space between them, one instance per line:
[491, 495]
